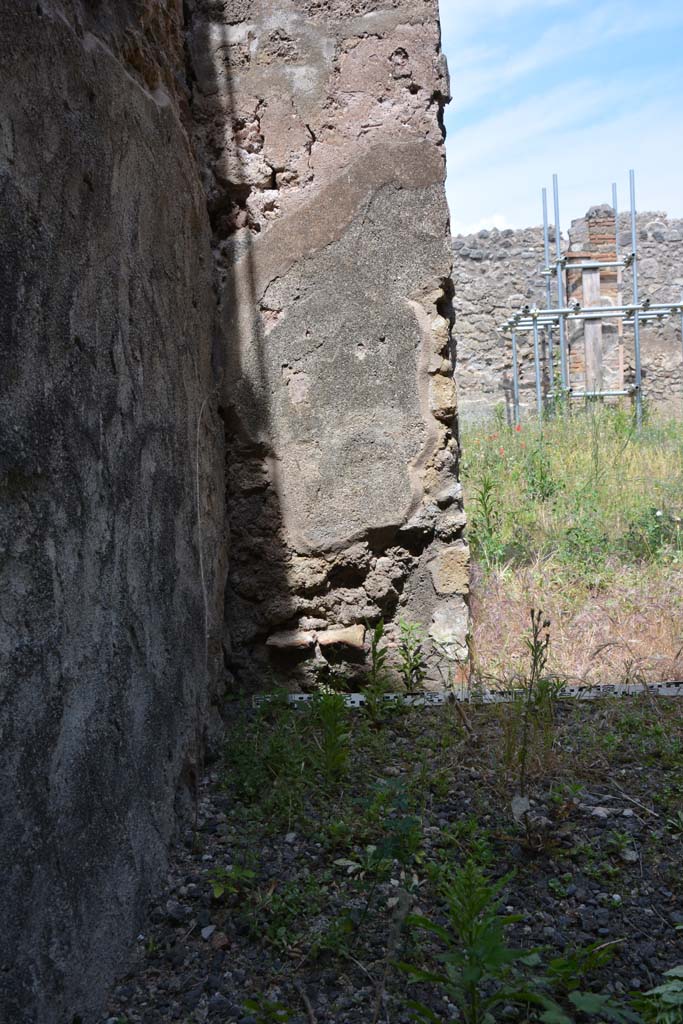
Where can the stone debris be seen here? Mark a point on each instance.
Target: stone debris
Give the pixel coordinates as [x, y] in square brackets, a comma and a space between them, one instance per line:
[349, 636]
[296, 638]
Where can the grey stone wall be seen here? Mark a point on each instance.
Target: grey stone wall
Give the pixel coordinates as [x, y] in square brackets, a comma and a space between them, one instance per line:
[495, 272]
[108, 636]
[321, 134]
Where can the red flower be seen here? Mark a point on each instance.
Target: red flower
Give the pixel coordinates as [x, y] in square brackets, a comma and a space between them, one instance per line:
[502, 451]
[518, 427]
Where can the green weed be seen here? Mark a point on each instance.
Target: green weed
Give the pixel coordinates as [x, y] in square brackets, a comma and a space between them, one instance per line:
[411, 657]
[265, 1011]
[480, 972]
[663, 1004]
[581, 493]
[330, 715]
[230, 881]
[379, 682]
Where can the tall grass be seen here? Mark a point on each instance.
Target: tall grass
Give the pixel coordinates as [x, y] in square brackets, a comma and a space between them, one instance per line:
[584, 494]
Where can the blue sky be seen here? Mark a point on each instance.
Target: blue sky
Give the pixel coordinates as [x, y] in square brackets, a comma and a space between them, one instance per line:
[587, 90]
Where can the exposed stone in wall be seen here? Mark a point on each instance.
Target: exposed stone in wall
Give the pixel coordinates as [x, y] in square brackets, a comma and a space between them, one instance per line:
[320, 130]
[495, 272]
[109, 639]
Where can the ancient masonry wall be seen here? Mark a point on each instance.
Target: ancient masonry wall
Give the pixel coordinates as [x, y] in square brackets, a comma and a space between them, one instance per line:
[110, 459]
[495, 272]
[319, 126]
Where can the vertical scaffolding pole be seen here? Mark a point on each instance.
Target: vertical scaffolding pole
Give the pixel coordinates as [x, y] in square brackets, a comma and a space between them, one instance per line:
[515, 378]
[564, 369]
[620, 288]
[537, 366]
[548, 294]
[636, 316]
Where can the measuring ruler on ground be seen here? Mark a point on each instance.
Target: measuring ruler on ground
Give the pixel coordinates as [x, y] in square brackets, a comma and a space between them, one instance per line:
[474, 696]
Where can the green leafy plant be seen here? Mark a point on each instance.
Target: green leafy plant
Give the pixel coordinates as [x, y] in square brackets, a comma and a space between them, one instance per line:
[378, 676]
[535, 694]
[486, 522]
[477, 963]
[481, 972]
[650, 532]
[596, 1004]
[230, 881]
[663, 1004]
[567, 973]
[412, 661]
[265, 1011]
[540, 481]
[267, 764]
[397, 828]
[281, 913]
[558, 886]
[330, 715]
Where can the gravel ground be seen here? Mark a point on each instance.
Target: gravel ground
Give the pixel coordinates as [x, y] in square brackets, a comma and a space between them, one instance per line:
[313, 922]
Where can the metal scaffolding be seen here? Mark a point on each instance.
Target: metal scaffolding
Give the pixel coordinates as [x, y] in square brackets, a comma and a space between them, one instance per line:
[531, 319]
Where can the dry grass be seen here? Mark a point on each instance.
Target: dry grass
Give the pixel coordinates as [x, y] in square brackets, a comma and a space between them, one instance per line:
[630, 631]
[582, 519]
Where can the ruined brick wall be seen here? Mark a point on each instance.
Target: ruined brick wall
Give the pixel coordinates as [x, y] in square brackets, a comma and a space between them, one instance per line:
[319, 126]
[660, 252]
[496, 272]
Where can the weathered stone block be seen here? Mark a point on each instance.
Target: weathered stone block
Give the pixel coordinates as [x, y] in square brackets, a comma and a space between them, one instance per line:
[450, 570]
[443, 398]
[351, 636]
[450, 625]
[295, 639]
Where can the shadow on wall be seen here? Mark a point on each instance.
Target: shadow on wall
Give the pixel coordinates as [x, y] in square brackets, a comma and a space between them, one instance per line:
[106, 312]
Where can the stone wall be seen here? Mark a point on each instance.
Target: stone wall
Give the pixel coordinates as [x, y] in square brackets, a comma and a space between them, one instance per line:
[320, 129]
[495, 272]
[111, 626]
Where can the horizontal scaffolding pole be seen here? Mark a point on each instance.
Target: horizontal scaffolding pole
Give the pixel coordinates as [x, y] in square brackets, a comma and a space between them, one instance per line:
[594, 264]
[602, 394]
[565, 263]
[524, 321]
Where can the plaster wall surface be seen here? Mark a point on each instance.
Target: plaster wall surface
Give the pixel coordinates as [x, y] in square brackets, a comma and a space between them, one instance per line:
[498, 271]
[320, 131]
[108, 638]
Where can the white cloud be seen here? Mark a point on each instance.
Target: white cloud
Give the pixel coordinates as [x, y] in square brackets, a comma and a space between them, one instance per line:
[583, 119]
[480, 70]
[587, 158]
